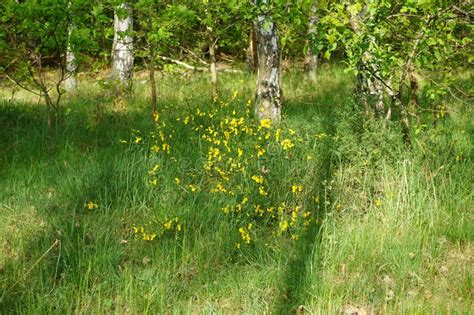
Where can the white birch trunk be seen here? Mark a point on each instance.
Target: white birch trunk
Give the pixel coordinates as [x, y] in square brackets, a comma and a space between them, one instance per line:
[122, 50]
[213, 68]
[268, 92]
[312, 55]
[70, 83]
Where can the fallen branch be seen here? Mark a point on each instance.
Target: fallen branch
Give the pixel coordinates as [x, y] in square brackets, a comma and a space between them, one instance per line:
[195, 56]
[183, 64]
[198, 69]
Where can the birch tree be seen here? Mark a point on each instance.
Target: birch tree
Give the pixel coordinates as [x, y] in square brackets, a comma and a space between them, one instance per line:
[122, 49]
[387, 44]
[268, 95]
[70, 82]
[213, 68]
[368, 84]
[311, 58]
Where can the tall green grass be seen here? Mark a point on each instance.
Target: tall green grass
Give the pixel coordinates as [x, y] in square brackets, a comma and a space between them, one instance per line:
[394, 230]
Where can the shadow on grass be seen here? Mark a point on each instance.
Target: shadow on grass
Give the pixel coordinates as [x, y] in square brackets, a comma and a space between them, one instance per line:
[68, 168]
[307, 255]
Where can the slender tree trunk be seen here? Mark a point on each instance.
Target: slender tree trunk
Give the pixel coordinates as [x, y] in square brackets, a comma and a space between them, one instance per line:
[268, 93]
[252, 53]
[311, 61]
[368, 84]
[71, 65]
[404, 119]
[122, 50]
[213, 68]
[154, 100]
[414, 103]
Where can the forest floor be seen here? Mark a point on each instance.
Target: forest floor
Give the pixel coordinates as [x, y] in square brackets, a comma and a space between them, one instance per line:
[207, 211]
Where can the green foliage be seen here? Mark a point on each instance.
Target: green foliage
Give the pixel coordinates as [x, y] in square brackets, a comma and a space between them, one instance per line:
[431, 36]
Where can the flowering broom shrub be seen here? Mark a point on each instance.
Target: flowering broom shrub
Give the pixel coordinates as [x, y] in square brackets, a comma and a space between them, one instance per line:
[251, 169]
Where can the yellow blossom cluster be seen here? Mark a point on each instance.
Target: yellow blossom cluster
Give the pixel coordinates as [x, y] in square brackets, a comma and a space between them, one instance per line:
[90, 205]
[140, 233]
[240, 165]
[167, 227]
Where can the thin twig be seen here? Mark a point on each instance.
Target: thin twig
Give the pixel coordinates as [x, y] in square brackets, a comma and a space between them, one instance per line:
[56, 242]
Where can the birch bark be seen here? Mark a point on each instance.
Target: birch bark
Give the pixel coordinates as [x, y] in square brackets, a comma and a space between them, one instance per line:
[268, 92]
[71, 65]
[122, 50]
[213, 68]
[70, 83]
[312, 55]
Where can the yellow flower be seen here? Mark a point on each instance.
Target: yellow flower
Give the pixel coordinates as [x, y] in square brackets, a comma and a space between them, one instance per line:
[258, 210]
[378, 203]
[296, 189]
[91, 205]
[167, 225]
[258, 179]
[260, 152]
[277, 135]
[244, 235]
[281, 208]
[219, 188]
[283, 226]
[265, 123]
[138, 140]
[261, 191]
[240, 152]
[287, 144]
[193, 188]
[148, 237]
[226, 209]
[176, 179]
